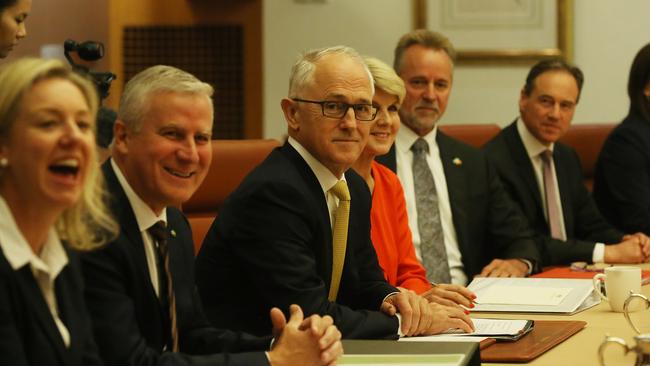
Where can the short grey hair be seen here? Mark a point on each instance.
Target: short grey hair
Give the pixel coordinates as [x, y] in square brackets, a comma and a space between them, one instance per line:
[425, 38]
[156, 79]
[302, 71]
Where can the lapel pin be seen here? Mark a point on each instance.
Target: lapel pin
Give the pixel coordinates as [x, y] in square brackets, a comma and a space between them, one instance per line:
[457, 162]
[173, 233]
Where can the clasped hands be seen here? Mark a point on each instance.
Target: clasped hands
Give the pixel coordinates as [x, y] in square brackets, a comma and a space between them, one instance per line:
[300, 341]
[635, 248]
[421, 317]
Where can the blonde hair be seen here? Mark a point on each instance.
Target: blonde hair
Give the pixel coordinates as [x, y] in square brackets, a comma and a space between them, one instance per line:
[156, 79]
[87, 224]
[385, 78]
[302, 71]
[425, 38]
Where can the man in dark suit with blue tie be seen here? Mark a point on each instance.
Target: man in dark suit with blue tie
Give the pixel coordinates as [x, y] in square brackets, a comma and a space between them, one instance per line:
[140, 288]
[276, 240]
[544, 176]
[482, 231]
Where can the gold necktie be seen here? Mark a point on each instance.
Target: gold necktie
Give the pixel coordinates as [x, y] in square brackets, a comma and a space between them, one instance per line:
[339, 235]
[159, 232]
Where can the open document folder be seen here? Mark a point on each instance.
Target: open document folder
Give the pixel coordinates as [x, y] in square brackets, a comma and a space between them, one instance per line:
[533, 295]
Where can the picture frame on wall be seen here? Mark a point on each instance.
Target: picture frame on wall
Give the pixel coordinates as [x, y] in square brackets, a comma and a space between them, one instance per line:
[501, 30]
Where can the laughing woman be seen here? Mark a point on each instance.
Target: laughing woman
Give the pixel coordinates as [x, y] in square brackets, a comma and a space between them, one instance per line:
[50, 202]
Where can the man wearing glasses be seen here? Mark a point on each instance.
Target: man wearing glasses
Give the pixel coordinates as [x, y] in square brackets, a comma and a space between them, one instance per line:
[297, 230]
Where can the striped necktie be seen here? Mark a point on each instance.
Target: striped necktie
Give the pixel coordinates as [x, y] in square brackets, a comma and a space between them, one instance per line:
[159, 232]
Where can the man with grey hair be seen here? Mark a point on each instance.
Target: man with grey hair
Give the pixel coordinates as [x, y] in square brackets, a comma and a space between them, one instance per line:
[462, 220]
[140, 288]
[297, 229]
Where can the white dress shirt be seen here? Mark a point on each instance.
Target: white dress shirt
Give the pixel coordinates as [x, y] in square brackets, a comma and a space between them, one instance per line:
[404, 156]
[534, 148]
[325, 177]
[45, 266]
[145, 218]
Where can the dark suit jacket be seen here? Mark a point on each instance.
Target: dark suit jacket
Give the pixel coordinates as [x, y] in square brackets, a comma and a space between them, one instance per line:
[488, 224]
[271, 245]
[582, 221]
[622, 181]
[131, 326]
[28, 334]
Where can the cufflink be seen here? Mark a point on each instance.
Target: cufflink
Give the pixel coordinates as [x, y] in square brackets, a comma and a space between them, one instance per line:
[457, 161]
[173, 233]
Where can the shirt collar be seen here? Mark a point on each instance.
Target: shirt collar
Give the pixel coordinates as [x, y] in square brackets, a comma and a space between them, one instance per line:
[18, 252]
[531, 144]
[406, 138]
[144, 215]
[325, 177]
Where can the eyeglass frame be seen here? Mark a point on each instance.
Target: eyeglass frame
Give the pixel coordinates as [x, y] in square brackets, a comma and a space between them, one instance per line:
[345, 110]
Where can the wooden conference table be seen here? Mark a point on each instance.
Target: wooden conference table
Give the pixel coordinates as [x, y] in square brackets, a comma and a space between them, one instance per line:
[582, 348]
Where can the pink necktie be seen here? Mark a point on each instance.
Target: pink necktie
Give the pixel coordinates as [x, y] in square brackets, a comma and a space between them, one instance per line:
[553, 211]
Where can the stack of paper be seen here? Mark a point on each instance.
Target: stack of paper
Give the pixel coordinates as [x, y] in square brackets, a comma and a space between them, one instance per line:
[501, 329]
[534, 295]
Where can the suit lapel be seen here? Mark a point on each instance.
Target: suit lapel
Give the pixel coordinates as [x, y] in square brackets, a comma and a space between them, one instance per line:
[129, 228]
[315, 190]
[457, 189]
[31, 291]
[67, 307]
[524, 165]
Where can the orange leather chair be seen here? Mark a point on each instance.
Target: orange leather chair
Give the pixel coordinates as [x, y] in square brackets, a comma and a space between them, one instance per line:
[473, 134]
[232, 160]
[588, 139]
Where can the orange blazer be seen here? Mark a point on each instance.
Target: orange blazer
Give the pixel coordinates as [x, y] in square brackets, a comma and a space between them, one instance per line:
[391, 235]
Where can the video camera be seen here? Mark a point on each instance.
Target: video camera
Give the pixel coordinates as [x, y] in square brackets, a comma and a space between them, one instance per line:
[93, 51]
[89, 51]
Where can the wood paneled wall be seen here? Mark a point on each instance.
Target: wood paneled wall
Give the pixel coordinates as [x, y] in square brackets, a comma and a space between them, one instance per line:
[248, 13]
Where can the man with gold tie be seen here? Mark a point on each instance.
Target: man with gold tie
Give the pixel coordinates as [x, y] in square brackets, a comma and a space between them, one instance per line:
[544, 176]
[297, 230]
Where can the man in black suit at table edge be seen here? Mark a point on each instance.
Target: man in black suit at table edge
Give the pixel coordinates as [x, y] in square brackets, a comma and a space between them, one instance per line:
[140, 288]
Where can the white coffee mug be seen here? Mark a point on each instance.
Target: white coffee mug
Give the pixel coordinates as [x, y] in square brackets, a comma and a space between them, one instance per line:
[619, 281]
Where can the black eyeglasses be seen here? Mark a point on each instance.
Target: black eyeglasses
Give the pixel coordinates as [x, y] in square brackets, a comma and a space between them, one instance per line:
[331, 109]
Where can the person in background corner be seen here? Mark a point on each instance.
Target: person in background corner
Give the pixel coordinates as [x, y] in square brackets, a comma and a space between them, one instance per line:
[12, 23]
[622, 179]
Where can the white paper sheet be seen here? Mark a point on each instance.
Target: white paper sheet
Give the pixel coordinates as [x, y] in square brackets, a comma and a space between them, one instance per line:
[491, 327]
[572, 302]
[444, 338]
[523, 295]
